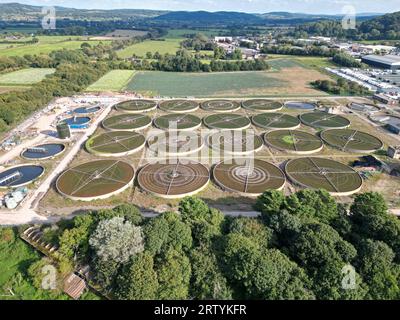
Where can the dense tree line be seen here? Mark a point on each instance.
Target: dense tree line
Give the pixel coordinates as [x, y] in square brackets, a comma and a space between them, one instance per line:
[312, 50]
[346, 60]
[198, 42]
[385, 27]
[298, 249]
[341, 87]
[184, 61]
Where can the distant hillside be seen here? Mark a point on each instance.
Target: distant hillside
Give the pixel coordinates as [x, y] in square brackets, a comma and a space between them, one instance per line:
[385, 27]
[17, 11]
[204, 18]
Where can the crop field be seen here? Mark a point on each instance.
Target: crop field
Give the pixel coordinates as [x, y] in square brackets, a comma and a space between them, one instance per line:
[232, 84]
[170, 46]
[45, 45]
[115, 80]
[25, 77]
[279, 62]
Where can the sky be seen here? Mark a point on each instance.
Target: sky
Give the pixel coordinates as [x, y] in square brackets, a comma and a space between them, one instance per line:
[252, 6]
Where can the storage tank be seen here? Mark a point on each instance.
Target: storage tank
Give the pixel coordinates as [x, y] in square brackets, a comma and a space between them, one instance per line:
[63, 130]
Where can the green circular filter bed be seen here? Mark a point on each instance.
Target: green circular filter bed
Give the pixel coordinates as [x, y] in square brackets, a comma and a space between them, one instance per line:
[221, 106]
[276, 121]
[175, 143]
[179, 106]
[319, 173]
[262, 105]
[116, 143]
[136, 106]
[352, 140]
[324, 120]
[183, 122]
[94, 180]
[227, 121]
[235, 142]
[127, 122]
[293, 141]
[248, 176]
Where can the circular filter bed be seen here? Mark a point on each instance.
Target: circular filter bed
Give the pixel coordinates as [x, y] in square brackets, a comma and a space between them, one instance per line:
[136, 106]
[221, 106]
[179, 106]
[352, 140]
[87, 110]
[293, 141]
[318, 173]
[300, 105]
[324, 120]
[20, 176]
[235, 142]
[175, 143]
[262, 105]
[274, 121]
[127, 122]
[227, 121]
[174, 180]
[116, 143]
[43, 151]
[248, 177]
[185, 122]
[95, 180]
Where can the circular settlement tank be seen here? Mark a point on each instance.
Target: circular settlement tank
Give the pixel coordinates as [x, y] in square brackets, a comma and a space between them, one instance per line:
[87, 110]
[78, 122]
[44, 151]
[20, 176]
[300, 105]
[63, 130]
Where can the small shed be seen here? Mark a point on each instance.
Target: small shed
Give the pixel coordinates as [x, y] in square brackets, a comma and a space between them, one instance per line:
[74, 286]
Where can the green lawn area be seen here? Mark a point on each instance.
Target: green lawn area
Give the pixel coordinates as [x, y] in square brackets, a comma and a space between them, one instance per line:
[45, 45]
[25, 77]
[15, 258]
[115, 80]
[170, 46]
[223, 84]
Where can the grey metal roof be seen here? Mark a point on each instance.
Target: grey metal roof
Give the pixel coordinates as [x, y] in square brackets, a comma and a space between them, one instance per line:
[388, 59]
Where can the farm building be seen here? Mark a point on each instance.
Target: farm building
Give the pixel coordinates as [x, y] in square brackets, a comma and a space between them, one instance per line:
[391, 62]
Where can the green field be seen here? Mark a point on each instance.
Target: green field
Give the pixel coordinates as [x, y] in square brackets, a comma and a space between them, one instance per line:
[282, 61]
[25, 77]
[173, 84]
[45, 45]
[170, 46]
[115, 80]
[180, 33]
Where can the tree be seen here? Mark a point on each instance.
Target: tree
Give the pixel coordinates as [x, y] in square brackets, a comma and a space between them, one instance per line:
[208, 282]
[76, 240]
[270, 202]
[313, 204]
[117, 240]
[371, 203]
[262, 274]
[149, 55]
[130, 213]
[376, 266]
[138, 280]
[253, 229]
[219, 53]
[174, 273]
[167, 231]
[204, 221]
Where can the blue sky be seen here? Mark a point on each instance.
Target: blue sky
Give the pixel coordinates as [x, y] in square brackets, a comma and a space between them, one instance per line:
[305, 6]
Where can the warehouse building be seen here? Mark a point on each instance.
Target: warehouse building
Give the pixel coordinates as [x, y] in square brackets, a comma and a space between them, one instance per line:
[391, 62]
